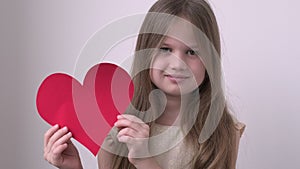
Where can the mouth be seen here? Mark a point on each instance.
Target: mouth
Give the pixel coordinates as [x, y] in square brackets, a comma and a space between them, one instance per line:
[176, 77]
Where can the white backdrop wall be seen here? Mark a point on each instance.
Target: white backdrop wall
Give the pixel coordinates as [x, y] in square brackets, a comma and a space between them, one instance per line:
[260, 41]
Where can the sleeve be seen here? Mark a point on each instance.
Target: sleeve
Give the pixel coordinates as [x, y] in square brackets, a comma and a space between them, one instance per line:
[112, 145]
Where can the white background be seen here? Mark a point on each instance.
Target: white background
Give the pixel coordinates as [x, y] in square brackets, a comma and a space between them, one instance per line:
[261, 62]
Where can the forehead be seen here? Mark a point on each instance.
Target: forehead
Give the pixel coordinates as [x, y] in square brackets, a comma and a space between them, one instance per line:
[173, 42]
[183, 32]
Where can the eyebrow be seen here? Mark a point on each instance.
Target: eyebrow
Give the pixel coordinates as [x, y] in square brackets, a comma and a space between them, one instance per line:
[193, 46]
[164, 43]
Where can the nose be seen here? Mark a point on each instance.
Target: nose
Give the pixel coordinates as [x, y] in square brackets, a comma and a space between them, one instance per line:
[177, 62]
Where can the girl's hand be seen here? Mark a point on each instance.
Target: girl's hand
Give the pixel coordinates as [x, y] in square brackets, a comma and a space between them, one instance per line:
[135, 133]
[59, 150]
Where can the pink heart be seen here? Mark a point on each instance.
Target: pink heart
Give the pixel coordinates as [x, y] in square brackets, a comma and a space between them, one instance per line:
[88, 110]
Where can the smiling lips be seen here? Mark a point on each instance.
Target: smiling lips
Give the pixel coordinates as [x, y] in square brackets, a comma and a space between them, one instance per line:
[176, 78]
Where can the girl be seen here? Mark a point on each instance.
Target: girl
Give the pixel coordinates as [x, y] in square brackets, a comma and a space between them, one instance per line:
[179, 117]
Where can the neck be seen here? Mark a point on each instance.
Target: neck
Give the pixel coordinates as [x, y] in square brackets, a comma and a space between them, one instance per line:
[172, 110]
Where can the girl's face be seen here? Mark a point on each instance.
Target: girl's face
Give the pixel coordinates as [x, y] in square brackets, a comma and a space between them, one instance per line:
[176, 69]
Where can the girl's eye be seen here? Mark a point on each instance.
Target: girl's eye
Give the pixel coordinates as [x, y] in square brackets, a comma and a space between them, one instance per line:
[165, 49]
[191, 52]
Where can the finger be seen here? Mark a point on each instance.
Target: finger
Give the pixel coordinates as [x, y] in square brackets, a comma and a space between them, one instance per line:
[141, 128]
[125, 139]
[58, 134]
[64, 139]
[58, 151]
[130, 117]
[128, 132]
[138, 127]
[55, 157]
[49, 133]
[55, 154]
[125, 123]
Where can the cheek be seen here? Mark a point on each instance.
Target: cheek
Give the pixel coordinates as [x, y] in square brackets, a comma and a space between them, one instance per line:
[198, 70]
[158, 63]
[151, 74]
[154, 75]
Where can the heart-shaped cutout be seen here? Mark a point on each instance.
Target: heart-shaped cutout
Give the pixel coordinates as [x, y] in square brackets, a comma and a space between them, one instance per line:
[88, 110]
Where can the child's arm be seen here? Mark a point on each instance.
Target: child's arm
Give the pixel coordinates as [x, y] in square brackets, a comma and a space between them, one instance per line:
[105, 159]
[135, 134]
[59, 150]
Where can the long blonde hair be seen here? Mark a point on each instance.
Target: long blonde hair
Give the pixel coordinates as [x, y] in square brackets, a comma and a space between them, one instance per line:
[217, 151]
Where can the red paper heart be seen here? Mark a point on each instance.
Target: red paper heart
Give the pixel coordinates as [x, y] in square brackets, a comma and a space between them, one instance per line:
[88, 110]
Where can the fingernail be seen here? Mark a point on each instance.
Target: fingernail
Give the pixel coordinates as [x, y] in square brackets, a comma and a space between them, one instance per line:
[55, 126]
[65, 128]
